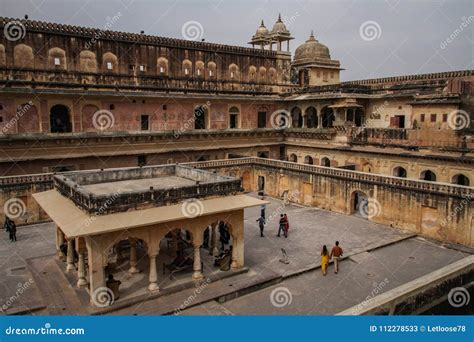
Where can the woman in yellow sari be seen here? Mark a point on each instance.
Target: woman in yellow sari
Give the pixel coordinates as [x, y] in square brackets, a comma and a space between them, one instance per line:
[324, 260]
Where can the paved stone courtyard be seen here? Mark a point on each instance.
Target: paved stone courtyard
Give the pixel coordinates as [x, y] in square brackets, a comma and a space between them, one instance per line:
[377, 255]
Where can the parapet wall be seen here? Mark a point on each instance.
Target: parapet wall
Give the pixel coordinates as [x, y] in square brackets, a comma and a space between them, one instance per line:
[438, 210]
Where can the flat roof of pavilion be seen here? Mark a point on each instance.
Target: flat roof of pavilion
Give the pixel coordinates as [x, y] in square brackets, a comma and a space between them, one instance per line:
[75, 222]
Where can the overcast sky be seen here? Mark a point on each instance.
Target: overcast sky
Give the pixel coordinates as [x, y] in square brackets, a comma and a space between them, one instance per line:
[400, 36]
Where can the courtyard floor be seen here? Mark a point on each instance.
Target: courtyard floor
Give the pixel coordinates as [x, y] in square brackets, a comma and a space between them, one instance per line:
[377, 255]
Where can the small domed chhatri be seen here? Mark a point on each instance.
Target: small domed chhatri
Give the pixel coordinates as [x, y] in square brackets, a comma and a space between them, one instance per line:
[262, 31]
[312, 49]
[314, 65]
[279, 28]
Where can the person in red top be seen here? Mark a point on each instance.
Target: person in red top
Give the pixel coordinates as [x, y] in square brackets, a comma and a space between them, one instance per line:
[336, 253]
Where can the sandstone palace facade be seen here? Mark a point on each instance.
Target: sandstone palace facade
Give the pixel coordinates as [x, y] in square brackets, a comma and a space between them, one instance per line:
[75, 98]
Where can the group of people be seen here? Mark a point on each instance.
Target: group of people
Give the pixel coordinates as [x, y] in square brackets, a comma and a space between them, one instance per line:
[10, 228]
[224, 260]
[336, 254]
[283, 223]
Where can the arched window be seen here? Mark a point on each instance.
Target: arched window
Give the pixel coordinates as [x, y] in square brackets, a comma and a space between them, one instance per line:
[359, 117]
[325, 162]
[308, 160]
[162, 66]
[293, 158]
[187, 68]
[3, 58]
[400, 172]
[252, 73]
[87, 61]
[428, 175]
[200, 117]
[199, 69]
[23, 56]
[311, 117]
[57, 58]
[461, 179]
[234, 117]
[211, 66]
[60, 119]
[109, 62]
[296, 118]
[272, 75]
[233, 72]
[327, 117]
[262, 74]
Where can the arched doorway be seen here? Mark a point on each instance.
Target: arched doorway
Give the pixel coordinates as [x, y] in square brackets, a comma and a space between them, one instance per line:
[359, 201]
[308, 160]
[200, 117]
[327, 117]
[428, 175]
[325, 162]
[311, 117]
[461, 179]
[359, 117]
[293, 158]
[400, 172]
[60, 119]
[234, 117]
[296, 118]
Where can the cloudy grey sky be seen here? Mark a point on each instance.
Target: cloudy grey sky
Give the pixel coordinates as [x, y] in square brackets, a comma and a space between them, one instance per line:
[408, 36]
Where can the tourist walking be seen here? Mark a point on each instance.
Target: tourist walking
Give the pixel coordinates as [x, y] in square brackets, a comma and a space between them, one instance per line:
[261, 225]
[282, 226]
[12, 230]
[324, 260]
[263, 208]
[287, 225]
[336, 253]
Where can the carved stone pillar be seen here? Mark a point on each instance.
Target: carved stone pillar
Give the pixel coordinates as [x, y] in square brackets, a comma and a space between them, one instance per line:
[214, 250]
[153, 277]
[70, 255]
[133, 257]
[59, 243]
[81, 271]
[197, 275]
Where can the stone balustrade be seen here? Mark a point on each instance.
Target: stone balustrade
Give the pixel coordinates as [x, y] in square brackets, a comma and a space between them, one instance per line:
[356, 176]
